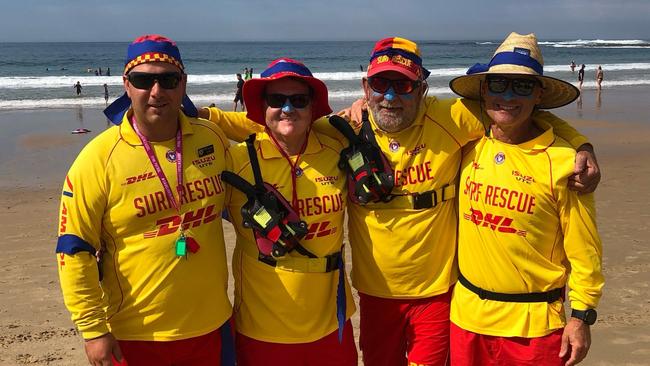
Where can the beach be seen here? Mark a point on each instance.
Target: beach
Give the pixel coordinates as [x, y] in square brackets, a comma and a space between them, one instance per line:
[36, 149]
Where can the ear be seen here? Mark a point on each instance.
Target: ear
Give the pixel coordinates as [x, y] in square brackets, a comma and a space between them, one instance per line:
[127, 85]
[184, 82]
[539, 93]
[366, 88]
[424, 88]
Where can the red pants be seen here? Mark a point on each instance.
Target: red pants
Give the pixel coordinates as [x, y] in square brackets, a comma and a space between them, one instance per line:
[198, 351]
[326, 351]
[468, 349]
[397, 332]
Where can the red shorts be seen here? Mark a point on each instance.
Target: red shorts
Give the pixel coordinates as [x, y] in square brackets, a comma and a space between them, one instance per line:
[468, 348]
[396, 332]
[326, 351]
[198, 351]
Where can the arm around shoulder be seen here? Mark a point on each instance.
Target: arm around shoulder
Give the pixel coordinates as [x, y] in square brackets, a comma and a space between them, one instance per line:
[586, 171]
[235, 125]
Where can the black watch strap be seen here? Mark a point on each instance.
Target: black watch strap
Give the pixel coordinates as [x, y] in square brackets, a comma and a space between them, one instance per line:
[588, 316]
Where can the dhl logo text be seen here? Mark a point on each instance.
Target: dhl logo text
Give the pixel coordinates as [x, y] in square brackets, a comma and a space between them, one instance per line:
[319, 229]
[498, 223]
[171, 224]
[64, 219]
[139, 178]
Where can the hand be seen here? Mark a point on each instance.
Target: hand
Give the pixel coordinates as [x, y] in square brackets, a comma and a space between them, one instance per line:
[100, 350]
[575, 339]
[204, 113]
[586, 173]
[356, 113]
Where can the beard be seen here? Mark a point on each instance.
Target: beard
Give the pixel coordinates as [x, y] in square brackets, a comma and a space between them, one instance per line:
[394, 120]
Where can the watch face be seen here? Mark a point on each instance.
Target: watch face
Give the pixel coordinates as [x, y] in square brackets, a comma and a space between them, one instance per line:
[590, 316]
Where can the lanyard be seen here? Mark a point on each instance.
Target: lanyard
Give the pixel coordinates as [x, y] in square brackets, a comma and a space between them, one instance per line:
[294, 166]
[156, 165]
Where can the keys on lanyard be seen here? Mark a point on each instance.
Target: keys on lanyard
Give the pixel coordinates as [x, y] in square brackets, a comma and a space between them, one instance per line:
[181, 246]
[183, 243]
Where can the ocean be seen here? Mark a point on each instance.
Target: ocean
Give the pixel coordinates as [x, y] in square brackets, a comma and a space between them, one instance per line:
[42, 75]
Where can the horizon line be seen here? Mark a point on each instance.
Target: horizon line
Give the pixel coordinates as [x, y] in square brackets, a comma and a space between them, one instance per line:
[325, 40]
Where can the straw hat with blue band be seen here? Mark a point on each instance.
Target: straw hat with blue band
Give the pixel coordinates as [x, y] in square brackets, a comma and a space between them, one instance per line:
[517, 55]
[144, 49]
[281, 68]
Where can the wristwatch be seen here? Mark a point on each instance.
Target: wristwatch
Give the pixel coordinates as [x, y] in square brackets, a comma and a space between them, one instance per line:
[588, 316]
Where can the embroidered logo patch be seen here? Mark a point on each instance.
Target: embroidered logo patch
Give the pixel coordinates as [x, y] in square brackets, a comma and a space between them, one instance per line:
[205, 150]
[171, 155]
[499, 158]
[393, 146]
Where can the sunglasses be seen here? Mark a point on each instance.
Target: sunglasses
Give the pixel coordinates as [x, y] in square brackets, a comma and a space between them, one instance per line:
[401, 86]
[145, 80]
[296, 100]
[520, 86]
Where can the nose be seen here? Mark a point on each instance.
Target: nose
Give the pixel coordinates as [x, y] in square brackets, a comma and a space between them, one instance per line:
[508, 95]
[287, 107]
[389, 95]
[155, 89]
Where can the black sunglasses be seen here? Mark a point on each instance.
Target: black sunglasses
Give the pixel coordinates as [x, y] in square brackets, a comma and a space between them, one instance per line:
[520, 86]
[296, 100]
[145, 80]
[400, 86]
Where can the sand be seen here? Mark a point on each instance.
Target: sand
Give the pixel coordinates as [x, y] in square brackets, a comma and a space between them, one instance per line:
[36, 148]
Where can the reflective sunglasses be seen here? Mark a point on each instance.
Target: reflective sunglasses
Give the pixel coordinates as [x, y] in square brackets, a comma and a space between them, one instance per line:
[520, 86]
[296, 100]
[401, 86]
[145, 80]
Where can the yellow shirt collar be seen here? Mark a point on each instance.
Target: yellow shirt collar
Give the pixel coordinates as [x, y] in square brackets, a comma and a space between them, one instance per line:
[539, 143]
[128, 133]
[269, 150]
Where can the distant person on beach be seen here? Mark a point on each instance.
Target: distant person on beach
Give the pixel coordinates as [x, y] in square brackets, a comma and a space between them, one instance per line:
[573, 66]
[140, 252]
[108, 71]
[96, 72]
[405, 287]
[78, 87]
[507, 308]
[238, 94]
[100, 71]
[599, 77]
[249, 74]
[295, 304]
[106, 92]
[581, 75]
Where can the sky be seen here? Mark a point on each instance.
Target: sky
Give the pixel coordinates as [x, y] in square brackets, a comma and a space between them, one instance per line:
[281, 20]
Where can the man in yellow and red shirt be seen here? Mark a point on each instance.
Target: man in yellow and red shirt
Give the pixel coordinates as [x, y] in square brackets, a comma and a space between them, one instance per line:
[140, 252]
